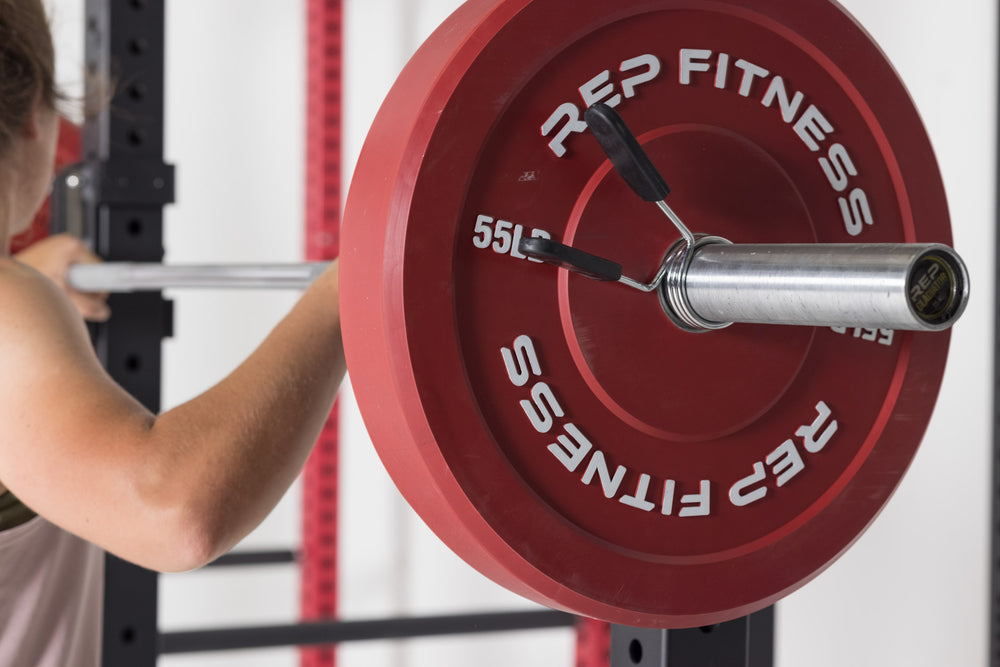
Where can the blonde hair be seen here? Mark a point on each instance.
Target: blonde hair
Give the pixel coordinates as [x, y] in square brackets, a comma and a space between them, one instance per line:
[27, 65]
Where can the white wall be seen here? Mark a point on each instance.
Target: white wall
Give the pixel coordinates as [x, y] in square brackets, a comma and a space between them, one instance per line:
[913, 591]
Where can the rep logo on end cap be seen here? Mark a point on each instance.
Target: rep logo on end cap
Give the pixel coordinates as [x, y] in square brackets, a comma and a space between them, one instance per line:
[938, 286]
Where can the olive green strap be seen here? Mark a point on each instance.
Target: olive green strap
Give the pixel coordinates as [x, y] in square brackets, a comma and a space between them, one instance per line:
[13, 512]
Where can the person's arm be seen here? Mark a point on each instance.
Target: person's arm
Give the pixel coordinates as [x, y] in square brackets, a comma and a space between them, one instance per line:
[170, 492]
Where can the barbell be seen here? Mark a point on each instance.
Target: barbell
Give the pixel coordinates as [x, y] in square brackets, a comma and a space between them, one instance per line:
[627, 436]
[885, 286]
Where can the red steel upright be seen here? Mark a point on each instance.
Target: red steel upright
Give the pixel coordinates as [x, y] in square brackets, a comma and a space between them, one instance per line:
[323, 198]
[593, 643]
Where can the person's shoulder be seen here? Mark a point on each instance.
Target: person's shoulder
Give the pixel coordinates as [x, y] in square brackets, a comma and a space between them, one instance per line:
[16, 276]
[22, 288]
[33, 310]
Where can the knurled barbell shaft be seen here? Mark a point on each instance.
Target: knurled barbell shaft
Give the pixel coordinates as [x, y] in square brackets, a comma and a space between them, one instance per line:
[138, 277]
[884, 286]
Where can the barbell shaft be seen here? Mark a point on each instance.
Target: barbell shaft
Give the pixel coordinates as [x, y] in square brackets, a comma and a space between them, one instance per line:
[138, 277]
[883, 286]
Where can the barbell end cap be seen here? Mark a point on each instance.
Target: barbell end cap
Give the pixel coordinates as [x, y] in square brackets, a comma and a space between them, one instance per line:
[938, 288]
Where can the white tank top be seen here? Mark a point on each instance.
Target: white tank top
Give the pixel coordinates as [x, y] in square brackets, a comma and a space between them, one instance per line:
[51, 597]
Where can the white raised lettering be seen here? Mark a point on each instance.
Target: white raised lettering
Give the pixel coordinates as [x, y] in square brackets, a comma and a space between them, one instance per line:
[785, 462]
[484, 226]
[789, 107]
[884, 336]
[639, 499]
[504, 238]
[738, 497]
[697, 504]
[693, 60]
[571, 113]
[599, 89]
[812, 127]
[809, 432]
[838, 167]
[522, 363]
[856, 211]
[538, 234]
[515, 252]
[750, 72]
[571, 452]
[541, 407]
[667, 508]
[631, 83]
[599, 467]
[722, 70]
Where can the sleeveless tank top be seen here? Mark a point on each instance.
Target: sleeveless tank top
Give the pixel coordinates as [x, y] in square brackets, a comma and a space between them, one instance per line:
[51, 593]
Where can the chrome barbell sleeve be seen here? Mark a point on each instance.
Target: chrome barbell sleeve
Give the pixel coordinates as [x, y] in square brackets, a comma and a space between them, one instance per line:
[885, 286]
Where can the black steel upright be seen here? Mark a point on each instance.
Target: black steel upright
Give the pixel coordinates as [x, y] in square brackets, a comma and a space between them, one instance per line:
[125, 186]
[745, 642]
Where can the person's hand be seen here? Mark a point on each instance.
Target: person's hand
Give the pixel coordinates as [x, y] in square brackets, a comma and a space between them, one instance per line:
[52, 257]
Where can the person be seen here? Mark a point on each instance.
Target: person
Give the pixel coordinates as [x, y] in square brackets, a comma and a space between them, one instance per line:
[83, 466]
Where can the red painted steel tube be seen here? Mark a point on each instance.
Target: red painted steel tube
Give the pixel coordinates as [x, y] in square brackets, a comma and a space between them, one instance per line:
[323, 198]
[593, 643]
